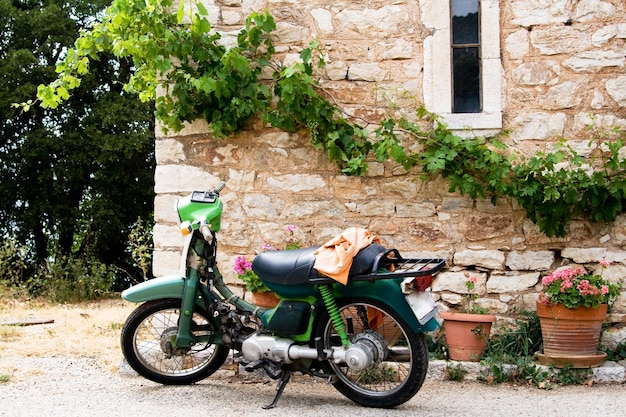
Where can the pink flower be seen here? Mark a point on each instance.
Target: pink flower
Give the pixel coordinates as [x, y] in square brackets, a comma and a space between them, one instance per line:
[605, 263]
[267, 246]
[290, 228]
[473, 279]
[605, 290]
[241, 265]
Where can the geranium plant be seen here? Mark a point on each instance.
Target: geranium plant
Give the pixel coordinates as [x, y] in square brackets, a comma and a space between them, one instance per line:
[244, 271]
[291, 242]
[471, 296]
[575, 287]
[243, 267]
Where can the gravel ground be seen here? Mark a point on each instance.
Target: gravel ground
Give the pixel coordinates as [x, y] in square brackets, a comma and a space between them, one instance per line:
[60, 386]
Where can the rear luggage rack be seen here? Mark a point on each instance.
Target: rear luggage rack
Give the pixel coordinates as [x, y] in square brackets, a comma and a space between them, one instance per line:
[390, 264]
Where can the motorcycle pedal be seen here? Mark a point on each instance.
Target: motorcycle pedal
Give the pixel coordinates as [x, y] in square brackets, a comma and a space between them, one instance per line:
[252, 366]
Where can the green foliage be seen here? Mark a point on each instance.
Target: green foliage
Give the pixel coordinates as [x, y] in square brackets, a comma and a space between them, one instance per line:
[572, 376]
[437, 348]
[72, 280]
[140, 246]
[522, 339]
[510, 353]
[616, 355]
[14, 265]
[202, 78]
[456, 372]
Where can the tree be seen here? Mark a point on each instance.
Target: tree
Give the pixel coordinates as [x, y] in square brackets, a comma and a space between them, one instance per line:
[73, 179]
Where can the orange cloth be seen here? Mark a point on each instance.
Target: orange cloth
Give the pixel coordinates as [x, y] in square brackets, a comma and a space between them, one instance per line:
[335, 257]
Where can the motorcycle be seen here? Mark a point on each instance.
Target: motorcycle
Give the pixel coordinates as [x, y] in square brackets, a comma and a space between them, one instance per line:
[365, 337]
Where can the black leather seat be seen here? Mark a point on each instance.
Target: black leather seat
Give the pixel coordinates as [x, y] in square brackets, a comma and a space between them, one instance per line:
[295, 267]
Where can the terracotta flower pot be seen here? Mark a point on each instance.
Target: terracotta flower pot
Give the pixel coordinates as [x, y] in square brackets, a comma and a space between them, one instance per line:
[571, 335]
[466, 334]
[265, 299]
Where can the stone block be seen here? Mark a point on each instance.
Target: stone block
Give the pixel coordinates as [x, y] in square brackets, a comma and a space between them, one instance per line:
[512, 282]
[609, 372]
[584, 255]
[530, 260]
[455, 282]
[492, 259]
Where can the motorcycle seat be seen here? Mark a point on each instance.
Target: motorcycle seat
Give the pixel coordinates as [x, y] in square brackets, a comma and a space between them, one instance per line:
[295, 267]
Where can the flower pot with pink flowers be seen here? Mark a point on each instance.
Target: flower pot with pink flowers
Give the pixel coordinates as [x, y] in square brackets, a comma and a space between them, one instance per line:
[572, 307]
[467, 333]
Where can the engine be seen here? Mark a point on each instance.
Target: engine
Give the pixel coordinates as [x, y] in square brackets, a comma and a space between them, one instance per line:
[366, 349]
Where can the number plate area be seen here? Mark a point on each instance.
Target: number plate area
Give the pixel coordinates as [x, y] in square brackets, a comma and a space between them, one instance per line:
[423, 305]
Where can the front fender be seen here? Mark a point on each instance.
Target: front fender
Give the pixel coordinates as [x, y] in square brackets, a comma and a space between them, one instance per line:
[155, 289]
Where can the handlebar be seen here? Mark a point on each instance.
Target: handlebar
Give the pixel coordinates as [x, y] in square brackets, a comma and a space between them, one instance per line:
[219, 187]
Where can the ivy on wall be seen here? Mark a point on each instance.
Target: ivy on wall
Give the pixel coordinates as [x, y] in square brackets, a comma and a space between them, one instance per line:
[199, 77]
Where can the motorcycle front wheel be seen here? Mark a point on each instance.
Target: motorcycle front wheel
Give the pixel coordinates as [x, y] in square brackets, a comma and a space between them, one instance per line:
[394, 378]
[146, 344]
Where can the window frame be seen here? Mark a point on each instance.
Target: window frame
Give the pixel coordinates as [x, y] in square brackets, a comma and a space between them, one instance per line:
[438, 66]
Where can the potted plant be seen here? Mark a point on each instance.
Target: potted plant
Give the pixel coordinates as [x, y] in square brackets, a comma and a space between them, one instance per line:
[467, 333]
[572, 307]
[261, 294]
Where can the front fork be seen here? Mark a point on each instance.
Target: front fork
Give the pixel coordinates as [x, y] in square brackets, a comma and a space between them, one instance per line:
[198, 268]
[184, 337]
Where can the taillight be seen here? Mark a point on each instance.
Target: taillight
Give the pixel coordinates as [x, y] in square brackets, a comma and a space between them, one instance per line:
[422, 283]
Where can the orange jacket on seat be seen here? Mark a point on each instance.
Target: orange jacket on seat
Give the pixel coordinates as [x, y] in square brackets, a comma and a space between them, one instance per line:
[335, 257]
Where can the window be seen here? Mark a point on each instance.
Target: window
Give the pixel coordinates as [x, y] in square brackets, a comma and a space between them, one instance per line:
[462, 68]
[465, 57]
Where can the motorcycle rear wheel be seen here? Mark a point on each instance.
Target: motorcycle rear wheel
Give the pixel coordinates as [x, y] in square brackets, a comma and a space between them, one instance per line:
[144, 344]
[395, 379]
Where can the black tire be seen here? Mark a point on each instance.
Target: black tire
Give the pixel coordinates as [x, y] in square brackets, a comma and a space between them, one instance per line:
[395, 379]
[148, 328]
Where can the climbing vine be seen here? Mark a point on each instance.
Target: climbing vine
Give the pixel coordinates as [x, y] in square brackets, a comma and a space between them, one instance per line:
[201, 75]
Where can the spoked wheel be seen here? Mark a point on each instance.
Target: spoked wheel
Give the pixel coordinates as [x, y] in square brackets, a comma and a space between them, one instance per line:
[146, 344]
[400, 370]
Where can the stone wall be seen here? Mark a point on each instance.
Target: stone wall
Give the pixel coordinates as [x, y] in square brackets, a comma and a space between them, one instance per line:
[562, 68]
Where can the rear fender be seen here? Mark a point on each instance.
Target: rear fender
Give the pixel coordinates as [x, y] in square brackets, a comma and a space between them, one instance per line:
[387, 291]
[155, 289]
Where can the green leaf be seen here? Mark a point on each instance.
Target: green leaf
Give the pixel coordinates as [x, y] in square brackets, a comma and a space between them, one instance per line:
[180, 15]
[202, 11]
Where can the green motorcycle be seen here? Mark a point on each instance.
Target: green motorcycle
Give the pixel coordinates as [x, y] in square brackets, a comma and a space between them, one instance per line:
[365, 337]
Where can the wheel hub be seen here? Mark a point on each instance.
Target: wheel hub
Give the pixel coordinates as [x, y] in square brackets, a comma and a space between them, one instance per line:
[168, 343]
[368, 348]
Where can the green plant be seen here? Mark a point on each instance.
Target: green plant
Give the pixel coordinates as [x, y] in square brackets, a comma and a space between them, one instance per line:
[70, 280]
[522, 339]
[437, 348]
[510, 352]
[575, 287]
[5, 378]
[456, 372]
[289, 240]
[471, 296]
[571, 376]
[377, 374]
[14, 268]
[140, 245]
[617, 354]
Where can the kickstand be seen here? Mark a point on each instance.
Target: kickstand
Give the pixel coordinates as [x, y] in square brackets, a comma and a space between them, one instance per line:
[284, 378]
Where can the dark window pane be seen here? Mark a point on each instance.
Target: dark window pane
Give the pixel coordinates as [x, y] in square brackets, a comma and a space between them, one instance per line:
[466, 74]
[464, 21]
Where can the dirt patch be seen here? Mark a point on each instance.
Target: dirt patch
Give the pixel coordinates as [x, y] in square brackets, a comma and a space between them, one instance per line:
[84, 330]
